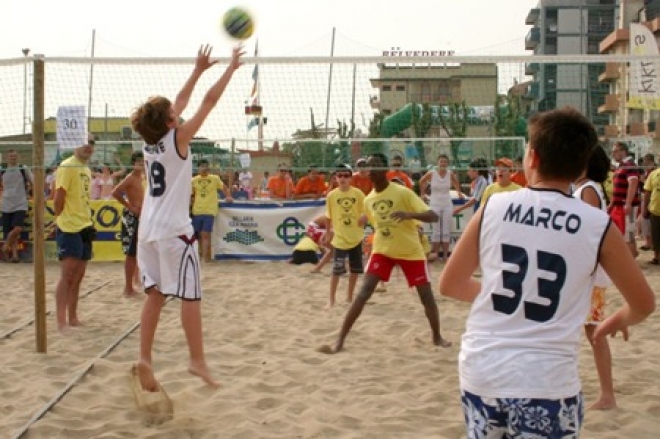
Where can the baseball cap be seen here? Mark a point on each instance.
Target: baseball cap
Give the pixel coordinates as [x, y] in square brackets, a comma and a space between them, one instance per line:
[504, 161]
[361, 161]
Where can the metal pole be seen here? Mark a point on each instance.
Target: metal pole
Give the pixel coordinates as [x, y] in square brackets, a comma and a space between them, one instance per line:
[26, 52]
[327, 107]
[91, 83]
[353, 98]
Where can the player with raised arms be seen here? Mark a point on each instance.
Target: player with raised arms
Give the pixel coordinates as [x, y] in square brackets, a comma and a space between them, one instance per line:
[167, 249]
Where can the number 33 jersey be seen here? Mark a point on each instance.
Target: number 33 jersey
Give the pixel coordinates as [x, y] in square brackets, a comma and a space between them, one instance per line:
[165, 211]
[538, 252]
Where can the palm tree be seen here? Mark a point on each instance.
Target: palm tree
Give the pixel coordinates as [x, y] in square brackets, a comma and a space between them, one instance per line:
[454, 123]
[421, 124]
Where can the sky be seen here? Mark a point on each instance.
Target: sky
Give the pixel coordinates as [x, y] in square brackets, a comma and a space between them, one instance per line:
[285, 28]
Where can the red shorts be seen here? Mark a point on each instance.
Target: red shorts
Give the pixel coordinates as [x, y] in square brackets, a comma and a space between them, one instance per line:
[625, 223]
[416, 271]
[315, 232]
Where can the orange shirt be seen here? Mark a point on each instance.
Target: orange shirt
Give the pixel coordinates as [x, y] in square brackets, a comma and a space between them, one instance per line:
[362, 182]
[307, 186]
[519, 178]
[400, 174]
[277, 186]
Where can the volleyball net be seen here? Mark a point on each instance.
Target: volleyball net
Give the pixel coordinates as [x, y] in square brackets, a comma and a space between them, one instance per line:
[325, 111]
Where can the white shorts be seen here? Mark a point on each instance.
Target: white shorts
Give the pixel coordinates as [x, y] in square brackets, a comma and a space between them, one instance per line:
[171, 265]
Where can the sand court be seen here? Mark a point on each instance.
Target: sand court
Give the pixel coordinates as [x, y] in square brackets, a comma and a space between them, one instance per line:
[263, 323]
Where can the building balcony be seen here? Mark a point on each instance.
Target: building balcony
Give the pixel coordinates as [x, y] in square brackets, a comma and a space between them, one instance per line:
[612, 131]
[532, 16]
[430, 98]
[533, 38]
[611, 72]
[531, 68]
[615, 39]
[638, 129]
[611, 104]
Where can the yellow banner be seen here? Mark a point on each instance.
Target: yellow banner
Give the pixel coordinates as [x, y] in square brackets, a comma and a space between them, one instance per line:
[106, 216]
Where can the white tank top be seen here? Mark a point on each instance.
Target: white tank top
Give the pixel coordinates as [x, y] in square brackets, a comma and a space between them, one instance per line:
[440, 187]
[165, 211]
[602, 279]
[538, 254]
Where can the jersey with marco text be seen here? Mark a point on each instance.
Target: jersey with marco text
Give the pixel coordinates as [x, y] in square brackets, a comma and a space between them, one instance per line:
[166, 200]
[538, 251]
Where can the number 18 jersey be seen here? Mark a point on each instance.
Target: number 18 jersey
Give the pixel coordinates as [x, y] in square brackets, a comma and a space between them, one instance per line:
[165, 211]
[538, 251]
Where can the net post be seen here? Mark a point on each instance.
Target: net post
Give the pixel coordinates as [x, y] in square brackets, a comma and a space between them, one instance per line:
[39, 205]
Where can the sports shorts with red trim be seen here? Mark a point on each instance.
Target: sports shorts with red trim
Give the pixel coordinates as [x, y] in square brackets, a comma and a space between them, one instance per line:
[416, 271]
[625, 223]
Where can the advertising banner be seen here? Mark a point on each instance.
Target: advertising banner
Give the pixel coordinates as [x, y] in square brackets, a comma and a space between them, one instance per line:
[264, 231]
[106, 216]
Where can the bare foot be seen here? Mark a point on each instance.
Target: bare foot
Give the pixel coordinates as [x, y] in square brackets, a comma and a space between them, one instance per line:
[328, 306]
[64, 330]
[603, 404]
[146, 376]
[75, 323]
[131, 294]
[325, 349]
[443, 343]
[315, 271]
[202, 371]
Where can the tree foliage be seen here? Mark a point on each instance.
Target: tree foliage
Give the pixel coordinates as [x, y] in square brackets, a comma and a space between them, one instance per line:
[454, 123]
[509, 121]
[421, 125]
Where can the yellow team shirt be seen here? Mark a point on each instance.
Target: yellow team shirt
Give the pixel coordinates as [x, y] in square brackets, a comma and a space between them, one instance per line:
[344, 208]
[75, 178]
[495, 188]
[608, 185]
[652, 185]
[306, 244]
[395, 239]
[205, 190]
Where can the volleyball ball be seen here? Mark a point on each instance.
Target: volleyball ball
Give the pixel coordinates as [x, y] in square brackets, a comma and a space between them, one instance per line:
[238, 23]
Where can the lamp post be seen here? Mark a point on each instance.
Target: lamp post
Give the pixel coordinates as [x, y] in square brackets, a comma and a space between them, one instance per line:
[25, 51]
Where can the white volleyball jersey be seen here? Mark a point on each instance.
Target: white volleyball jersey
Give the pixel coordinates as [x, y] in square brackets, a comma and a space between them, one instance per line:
[165, 211]
[538, 254]
[602, 279]
[440, 187]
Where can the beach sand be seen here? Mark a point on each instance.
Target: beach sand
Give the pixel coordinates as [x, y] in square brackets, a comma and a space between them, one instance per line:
[263, 323]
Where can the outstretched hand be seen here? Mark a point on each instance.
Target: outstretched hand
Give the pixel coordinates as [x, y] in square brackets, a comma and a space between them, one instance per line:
[203, 60]
[236, 55]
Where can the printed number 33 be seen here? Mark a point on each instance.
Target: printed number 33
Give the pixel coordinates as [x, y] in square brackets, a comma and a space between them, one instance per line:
[547, 289]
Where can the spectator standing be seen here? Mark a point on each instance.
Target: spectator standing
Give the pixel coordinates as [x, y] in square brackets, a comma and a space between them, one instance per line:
[15, 182]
